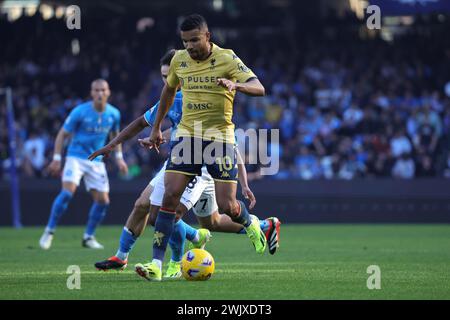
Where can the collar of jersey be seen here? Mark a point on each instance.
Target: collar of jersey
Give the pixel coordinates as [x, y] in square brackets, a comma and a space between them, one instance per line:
[95, 110]
[213, 50]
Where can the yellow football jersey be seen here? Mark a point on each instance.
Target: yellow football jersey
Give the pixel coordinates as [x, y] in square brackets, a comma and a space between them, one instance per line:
[207, 107]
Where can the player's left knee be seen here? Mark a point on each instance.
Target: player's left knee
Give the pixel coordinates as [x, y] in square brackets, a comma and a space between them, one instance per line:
[101, 198]
[103, 201]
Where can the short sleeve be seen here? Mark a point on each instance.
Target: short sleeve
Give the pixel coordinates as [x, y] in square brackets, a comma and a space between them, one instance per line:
[238, 70]
[172, 78]
[150, 115]
[72, 120]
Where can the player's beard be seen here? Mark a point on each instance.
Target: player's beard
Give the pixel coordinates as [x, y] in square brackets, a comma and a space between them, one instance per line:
[193, 54]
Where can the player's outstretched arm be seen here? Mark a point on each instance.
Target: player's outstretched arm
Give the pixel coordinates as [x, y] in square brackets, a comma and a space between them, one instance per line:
[167, 97]
[246, 192]
[126, 134]
[55, 166]
[120, 162]
[252, 87]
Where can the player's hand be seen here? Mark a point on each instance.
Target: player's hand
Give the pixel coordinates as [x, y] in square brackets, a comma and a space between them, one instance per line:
[105, 152]
[154, 141]
[122, 165]
[248, 194]
[228, 84]
[54, 168]
[145, 143]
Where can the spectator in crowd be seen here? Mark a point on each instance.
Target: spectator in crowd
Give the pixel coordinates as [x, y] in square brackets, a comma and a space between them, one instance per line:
[404, 167]
[34, 159]
[400, 144]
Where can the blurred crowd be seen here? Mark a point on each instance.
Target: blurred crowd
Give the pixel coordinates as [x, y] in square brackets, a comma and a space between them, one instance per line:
[347, 107]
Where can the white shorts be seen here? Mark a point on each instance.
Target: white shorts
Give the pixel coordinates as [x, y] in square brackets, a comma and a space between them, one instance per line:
[190, 195]
[93, 173]
[206, 204]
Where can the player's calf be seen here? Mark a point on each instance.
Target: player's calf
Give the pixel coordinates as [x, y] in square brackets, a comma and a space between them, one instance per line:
[59, 207]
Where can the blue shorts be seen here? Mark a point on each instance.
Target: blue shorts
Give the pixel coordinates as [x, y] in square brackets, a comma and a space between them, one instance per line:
[189, 155]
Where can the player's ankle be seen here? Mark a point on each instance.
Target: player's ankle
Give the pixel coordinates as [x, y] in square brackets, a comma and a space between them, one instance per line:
[122, 255]
[196, 238]
[158, 263]
[87, 236]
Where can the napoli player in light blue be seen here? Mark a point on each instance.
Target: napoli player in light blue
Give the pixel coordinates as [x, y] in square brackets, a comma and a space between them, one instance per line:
[201, 188]
[88, 125]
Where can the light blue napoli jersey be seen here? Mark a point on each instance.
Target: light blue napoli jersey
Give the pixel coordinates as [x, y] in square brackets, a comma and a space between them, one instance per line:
[174, 114]
[90, 129]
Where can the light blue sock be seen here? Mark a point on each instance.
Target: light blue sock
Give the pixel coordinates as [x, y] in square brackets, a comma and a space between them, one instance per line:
[177, 240]
[127, 241]
[264, 225]
[59, 206]
[191, 233]
[96, 215]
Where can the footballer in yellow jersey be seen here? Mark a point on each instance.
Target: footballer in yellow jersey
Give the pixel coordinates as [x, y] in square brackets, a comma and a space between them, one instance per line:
[204, 101]
[208, 76]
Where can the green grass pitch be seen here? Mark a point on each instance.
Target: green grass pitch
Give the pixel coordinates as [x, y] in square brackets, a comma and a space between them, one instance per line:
[313, 262]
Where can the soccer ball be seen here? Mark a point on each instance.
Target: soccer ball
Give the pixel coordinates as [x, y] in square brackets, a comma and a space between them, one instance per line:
[197, 264]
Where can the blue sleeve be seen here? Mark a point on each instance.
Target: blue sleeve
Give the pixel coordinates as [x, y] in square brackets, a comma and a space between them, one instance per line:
[72, 120]
[150, 115]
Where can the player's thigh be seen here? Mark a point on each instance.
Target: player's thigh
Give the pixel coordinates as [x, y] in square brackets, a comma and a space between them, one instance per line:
[72, 173]
[182, 166]
[221, 162]
[174, 184]
[95, 176]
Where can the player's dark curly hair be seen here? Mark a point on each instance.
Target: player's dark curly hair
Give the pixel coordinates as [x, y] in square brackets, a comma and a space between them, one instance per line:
[193, 21]
[167, 57]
